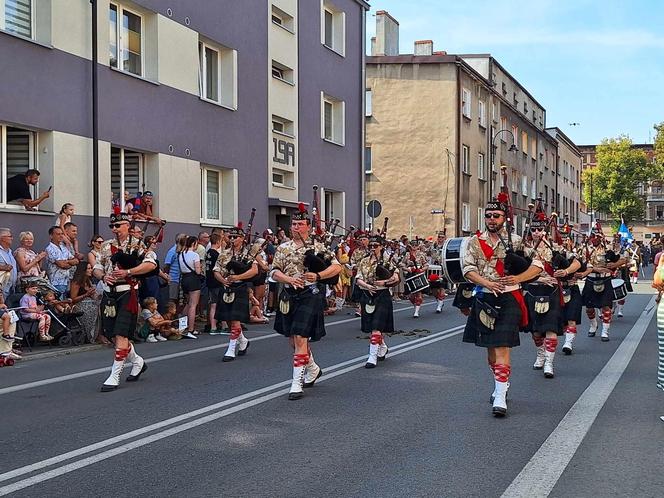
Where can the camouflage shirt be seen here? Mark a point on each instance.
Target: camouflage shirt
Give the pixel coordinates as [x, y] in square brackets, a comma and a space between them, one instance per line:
[225, 256]
[366, 269]
[596, 256]
[416, 259]
[436, 253]
[111, 246]
[289, 257]
[358, 254]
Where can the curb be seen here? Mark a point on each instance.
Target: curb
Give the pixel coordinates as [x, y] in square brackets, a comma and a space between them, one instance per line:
[61, 352]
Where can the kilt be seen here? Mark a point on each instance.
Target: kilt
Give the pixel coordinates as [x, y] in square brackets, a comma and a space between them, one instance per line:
[356, 292]
[572, 309]
[123, 324]
[238, 310]
[624, 274]
[592, 299]
[506, 331]
[543, 322]
[382, 319]
[461, 301]
[305, 317]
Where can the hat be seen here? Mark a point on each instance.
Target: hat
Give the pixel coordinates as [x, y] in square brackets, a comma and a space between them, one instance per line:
[441, 233]
[268, 232]
[498, 204]
[376, 239]
[301, 213]
[237, 230]
[117, 215]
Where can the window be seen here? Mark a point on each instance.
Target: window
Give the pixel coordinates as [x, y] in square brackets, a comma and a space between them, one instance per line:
[481, 174]
[126, 40]
[524, 186]
[480, 218]
[332, 119]
[466, 103]
[333, 27]
[533, 148]
[217, 74]
[515, 134]
[211, 195]
[282, 19]
[368, 102]
[482, 113]
[494, 112]
[127, 173]
[17, 155]
[465, 160]
[524, 142]
[367, 160]
[503, 126]
[333, 205]
[525, 108]
[282, 178]
[533, 188]
[465, 217]
[283, 126]
[18, 17]
[281, 72]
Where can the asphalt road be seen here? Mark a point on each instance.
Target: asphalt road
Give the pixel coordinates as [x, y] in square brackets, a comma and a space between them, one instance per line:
[418, 425]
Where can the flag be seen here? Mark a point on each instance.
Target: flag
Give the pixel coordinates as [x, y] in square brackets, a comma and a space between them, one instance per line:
[626, 236]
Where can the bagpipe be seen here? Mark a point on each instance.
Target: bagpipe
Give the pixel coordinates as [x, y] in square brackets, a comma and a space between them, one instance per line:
[317, 262]
[241, 263]
[133, 255]
[384, 271]
[516, 262]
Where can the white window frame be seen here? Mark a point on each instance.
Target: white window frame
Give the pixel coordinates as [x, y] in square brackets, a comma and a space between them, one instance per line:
[368, 103]
[465, 159]
[286, 124]
[481, 109]
[283, 19]
[282, 73]
[120, 10]
[368, 168]
[204, 201]
[338, 109]
[465, 217]
[338, 16]
[3, 21]
[466, 103]
[494, 114]
[226, 74]
[141, 173]
[32, 164]
[480, 219]
[524, 186]
[481, 166]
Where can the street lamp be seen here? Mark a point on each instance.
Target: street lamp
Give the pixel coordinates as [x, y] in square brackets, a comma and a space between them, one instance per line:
[513, 148]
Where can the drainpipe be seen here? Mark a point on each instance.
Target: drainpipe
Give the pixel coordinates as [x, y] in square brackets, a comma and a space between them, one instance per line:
[457, 170]
[363, 119]
[95, 124]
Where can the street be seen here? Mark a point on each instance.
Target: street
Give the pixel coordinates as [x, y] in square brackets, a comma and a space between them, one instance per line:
[417, 425]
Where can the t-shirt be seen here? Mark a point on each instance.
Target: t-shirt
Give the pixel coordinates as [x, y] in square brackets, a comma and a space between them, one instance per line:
[172, 260]
[188, 261]
[210, 261]
[28, 301]
[17, 188]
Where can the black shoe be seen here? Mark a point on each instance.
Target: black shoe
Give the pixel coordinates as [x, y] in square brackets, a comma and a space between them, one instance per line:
[369, 365]
[605, 339]
[134, 378]
[499, 412]
[242, 352]
[292, 396]
[548, 375]
[538, 368]
[227, 358]
[311, 384]
[567, 351]
[591, 334]
[105, 388]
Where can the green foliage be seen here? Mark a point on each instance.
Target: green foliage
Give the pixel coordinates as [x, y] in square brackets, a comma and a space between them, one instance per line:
[659, 145]
[619, 171]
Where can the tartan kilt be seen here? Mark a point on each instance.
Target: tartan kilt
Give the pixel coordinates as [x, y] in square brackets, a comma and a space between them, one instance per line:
[572, 309]
[123, 324]
[305, 317]
[460, 301]
[551, 321]
[238, 310]
[506, 331]
[356, 292]
[382, 319]
[592, 299]
[624, 274]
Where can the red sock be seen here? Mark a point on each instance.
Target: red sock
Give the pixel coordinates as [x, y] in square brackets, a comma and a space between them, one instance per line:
[570, 329]
[551, 343]
[235, 333]
[538, 340]
[591, 313]
[376, 338]
[121, 354]
[501, 372]
[300, 360]
[606, 316]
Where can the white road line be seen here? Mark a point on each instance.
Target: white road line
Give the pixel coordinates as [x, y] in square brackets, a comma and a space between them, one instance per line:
[337, 370]
[541, 473]
[95, 371]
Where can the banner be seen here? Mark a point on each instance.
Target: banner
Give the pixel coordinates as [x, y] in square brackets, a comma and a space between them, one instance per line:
[182, 323]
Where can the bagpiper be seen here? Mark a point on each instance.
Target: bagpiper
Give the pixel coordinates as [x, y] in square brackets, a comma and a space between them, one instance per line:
[436, 282]
[572, 301]
[303, 265]
[413, 263]
[120, 262]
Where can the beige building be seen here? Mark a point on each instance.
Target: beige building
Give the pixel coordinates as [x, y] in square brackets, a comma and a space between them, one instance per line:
[431, 124]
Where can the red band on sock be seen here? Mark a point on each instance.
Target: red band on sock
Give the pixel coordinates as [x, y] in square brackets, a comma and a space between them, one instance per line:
[376, 338]
[538, 341]
[121, 354]
[501, 372]
[236, 333]
[300, 360]
[551, 343]
[570, 329]
[606, 316]
[591, 313]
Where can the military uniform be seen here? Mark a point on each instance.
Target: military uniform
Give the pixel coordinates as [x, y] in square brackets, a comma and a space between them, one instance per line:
[413, 263]
[597, 292]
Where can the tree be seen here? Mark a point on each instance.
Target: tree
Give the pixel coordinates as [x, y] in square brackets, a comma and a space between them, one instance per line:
[614, 181]
[659, 145]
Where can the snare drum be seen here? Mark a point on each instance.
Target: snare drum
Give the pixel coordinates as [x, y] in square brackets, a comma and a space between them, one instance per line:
[416, 282]
[619, 289]
[454, 251]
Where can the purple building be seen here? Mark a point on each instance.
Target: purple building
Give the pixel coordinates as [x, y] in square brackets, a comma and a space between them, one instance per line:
[215, 107]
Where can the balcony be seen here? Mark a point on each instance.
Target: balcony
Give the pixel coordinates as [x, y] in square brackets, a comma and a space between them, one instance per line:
[655, 223]
[654, 196]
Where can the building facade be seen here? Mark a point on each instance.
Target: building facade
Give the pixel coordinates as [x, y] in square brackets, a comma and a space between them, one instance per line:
[215, 107]
[435, 123]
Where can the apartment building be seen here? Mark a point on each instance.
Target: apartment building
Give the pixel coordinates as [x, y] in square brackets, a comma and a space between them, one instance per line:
[215, 107]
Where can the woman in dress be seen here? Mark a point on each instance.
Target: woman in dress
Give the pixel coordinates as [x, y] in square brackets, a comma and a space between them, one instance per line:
[29, 262]
[83, 294]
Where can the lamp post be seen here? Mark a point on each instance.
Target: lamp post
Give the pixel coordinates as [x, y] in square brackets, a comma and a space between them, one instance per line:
[513, 148]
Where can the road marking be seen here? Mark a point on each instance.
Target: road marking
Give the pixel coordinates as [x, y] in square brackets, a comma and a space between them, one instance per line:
[95, 371]
[541, 473]
[264, 394]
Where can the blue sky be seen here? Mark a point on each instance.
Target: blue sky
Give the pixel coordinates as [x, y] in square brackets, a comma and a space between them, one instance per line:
[597, 63]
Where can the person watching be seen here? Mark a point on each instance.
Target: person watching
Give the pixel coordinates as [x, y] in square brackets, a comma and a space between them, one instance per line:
[18, 190]
[60, 260]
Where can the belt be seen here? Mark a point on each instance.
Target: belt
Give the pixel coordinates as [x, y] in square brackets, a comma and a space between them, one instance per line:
[120, 288]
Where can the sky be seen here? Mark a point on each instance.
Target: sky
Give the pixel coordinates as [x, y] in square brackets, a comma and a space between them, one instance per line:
[596, 63]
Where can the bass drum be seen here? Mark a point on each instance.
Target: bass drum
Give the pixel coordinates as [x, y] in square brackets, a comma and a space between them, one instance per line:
[454, 251]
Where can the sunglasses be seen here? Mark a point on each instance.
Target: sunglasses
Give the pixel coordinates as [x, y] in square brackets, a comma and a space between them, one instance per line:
[99, 241]
[115, 225]
[495, 216]
[533, 230]
[374, 245]
[231, 237]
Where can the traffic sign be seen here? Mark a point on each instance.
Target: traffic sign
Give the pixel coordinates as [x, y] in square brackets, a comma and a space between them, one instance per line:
[374, 209]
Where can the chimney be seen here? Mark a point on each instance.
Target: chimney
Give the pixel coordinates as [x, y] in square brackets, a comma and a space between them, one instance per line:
[373, 45]
[424, 47]
[387, 34]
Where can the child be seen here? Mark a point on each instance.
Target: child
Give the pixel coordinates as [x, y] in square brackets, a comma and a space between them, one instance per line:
[255, 312]
[160, 327]
[36, 312]
[61, 307]
[64, 217]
